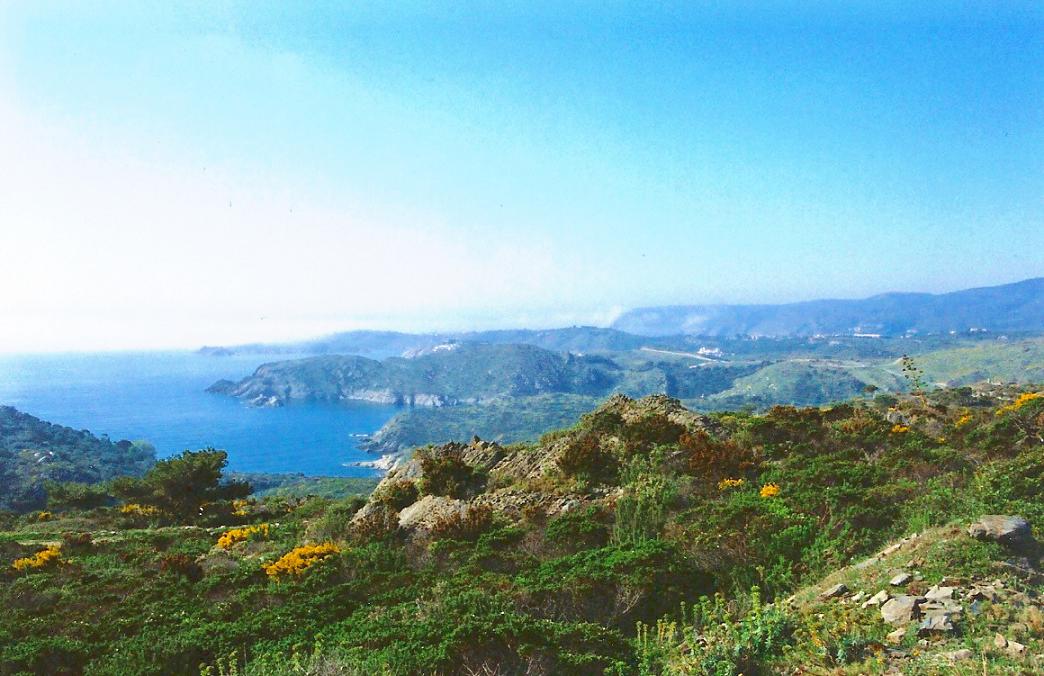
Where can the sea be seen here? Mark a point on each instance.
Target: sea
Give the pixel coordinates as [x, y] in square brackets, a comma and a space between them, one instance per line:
[161, 397]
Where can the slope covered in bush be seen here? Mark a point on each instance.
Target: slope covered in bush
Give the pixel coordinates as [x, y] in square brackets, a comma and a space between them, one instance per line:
[646, 539]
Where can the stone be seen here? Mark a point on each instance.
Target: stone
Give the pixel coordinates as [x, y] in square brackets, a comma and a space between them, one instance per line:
[1000, 642]
[900, 579]
[429, 510]
[1016, 648]
[936, 623]
[958, 655]
[876, 600]
[858, 597]
[1012, 531]
[896, 636]
[982, 594]
[938, 593]
[902, 609]
[891, 549]
[834, 592]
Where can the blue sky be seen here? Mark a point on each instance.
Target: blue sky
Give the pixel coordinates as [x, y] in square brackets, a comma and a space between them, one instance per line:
[223, 171]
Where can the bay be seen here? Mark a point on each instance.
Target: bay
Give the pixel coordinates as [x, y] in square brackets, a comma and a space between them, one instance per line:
[160, 397]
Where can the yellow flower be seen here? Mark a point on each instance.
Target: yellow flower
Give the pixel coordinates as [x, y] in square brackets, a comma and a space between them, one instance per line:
[44, 516]
[1022, 400]
[239, 507]
[729, 483]
[300, 559]
[134, 509]
[228, 539]
[963, 420]
[40, 559]
[770, 490]
[900, 429]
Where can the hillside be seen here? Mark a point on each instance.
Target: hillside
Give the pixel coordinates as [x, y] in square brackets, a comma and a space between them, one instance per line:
[33, 452]
[383, 344]
[450, 374]
[646, 539]
[505, 421]
[1008, 307]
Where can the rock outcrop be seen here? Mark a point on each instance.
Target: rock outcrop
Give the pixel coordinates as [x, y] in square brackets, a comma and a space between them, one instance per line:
[1011, 531]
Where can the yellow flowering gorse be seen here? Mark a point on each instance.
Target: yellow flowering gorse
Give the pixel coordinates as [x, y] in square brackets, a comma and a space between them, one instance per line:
[300, 559]
[726, 484]
[134, 509]
[38, 560]
[963, 420]
[1022, 400]
[900, 429]
[769, 490]
[230, 538]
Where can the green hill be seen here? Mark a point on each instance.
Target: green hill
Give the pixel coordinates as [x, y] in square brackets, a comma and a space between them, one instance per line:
[33, 452]
[450, 374]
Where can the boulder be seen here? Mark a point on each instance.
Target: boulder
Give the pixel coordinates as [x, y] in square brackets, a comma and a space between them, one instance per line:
[896, 636]
[935, 623]
[900, 579]
[877, 599]
[902, 609]
[1016, 648]
[959, 655]
[429, 510]
[938, 593]
[834, 592]
[1011, 531]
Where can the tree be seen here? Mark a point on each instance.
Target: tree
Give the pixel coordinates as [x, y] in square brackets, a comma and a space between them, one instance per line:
[184, 486]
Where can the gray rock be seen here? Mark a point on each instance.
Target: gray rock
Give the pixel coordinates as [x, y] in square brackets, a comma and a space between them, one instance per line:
[902, 609]
[937, 593]
[958, 655]
[1012, 531]
[900, 579]
[877, 599]
[935, 623]
[427, 511]
[897, 635]
[834, 592]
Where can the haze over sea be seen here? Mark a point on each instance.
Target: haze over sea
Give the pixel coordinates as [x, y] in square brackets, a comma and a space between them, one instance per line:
[160, 397]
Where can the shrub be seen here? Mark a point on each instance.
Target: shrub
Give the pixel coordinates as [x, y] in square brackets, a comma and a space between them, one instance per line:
[181, 564]
[397, 494]
[77, 540]
[41, 559]
[467, 524]
[134, 509]
[445, 473]
[585, 458]
[184, 486]
[711, 458]
[377, 524]
[298, 560]
[769, 490]
[230, 538]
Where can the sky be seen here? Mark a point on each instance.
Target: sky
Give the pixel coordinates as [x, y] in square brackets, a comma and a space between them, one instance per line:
[179, 174]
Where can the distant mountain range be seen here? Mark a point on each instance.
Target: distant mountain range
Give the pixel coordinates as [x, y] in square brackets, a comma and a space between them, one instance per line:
[1009, 307]
[1016, 308]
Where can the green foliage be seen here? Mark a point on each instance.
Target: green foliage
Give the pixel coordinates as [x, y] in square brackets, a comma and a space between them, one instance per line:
[34, 454]
[594, 588]
[446, 473]
[187, 487]
[586, 459]
[649, 492]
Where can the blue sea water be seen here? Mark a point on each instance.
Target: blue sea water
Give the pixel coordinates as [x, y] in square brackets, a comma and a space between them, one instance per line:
[160, 397]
